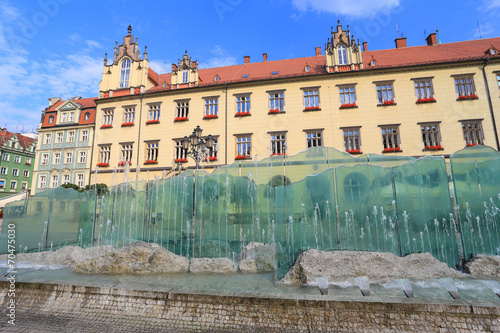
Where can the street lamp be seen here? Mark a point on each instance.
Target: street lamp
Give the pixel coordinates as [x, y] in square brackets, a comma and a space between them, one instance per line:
[196, 146]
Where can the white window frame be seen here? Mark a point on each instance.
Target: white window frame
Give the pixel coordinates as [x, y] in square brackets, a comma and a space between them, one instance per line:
[424, 88]
[65, 179]
[4, 170]
[385, 92]
[71, 117]
[83, 157]
[211, 106]
[311, 98]
[59, 138]
[129, 114]
[244, 145]
[342, 54]
[431, 134]
[55, 181]
[5, 157]
[352, 138]
[243, 103]
[71, 136]
[57, 158]
[473, 132]
[85, 135]
[179, 151]
[45, 159]
[107, 116]
[69, 158]
[277, 100]
[347, 94]
[15, 172]
[391, 139]
[43, 181]
[278, 143]
[48, 138]
[464, 85]
[154, 112]
[125, 73]
[182, 109]
[104, 153]
[13, 184]
[80, 180]
[152, 151]
[17, 159]
[26, 173]
[126, 150]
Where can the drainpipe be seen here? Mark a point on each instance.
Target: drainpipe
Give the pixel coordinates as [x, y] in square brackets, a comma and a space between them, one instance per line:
[490, 104]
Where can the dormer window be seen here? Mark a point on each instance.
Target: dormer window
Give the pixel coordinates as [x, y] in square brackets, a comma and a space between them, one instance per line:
[125, 73]
[185, 76]
[307, 68]
[245, 75]
[87, 115]
[274, 73]
[217, 78]
[64, 117]
[342, 55]
[164, 84]
[51, 119]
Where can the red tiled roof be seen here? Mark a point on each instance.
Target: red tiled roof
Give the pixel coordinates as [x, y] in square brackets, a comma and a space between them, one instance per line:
[152, 75]
[5, 136]
[53, 107]
[24, 141]
[409, 56]
[45, 121]
[86, 102]
[91, 119]
[86, 105]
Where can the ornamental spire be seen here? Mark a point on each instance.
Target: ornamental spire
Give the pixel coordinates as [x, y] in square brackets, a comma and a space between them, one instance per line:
[129, 29]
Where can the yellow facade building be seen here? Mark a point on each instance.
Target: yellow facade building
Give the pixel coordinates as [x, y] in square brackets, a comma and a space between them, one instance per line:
[432, 99]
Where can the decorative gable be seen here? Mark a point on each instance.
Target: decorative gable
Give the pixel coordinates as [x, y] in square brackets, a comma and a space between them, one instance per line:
[185, 73]
[341, 52]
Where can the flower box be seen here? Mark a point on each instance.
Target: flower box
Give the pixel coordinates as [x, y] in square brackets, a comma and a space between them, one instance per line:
[210, 116]
[106, 126]
[151, 162]
[467, 97]
[103, 165]
[180, 118]
[391, 102]
[180, 160]
[127, 124]
[211, 158]
[122, 163]
[241, 157]
[274, 111]
[155, 121]
[27, 163]
[426, 100]
[312, 108]
[354, 151]
[348, 106]
[438, 147]
[392, 149]
[474, 144]
[278, 154]
[242, 114]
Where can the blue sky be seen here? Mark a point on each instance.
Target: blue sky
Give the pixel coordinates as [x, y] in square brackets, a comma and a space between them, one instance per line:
[55, 48]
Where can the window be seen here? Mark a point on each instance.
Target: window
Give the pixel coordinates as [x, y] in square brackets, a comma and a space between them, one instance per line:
[59, 138]
[24, 186]
[307, 68]
[126, 152]
[79, 181]
[2, 184]
[107, 119]
[45, 159]
[473, 132]
[13, 184]
[66, 179]
[71, 136]
[5, 157]
[211, 107]
[87, 116]
[71, 117]
[64, 117]
[243, 146]
[243, 104]
[342, 55]
[390, 138]
[129, 115]
[352, 140]
[182, 110]
[180, 153]
[347, 96]
[27, 161]
[314, 138]
[15, 172]
[423, 89]
[311, 99]
[104, 154]
[278, 143]
[464, 86]
[217, 78]
[43, 181]
[431, 136]
[276, 101]
[385, 93]
[48, 138]
[185, 75]
[69, 158]
[26, 173]
[154, 113]
[85, 135]
[152, 151]
[3, 170]
[83, 157]
[51, 119]
[498, 79]
[57, 158]
[13, 145]
[125, 73]
[212, 151]
[17, 159]
[55, 181]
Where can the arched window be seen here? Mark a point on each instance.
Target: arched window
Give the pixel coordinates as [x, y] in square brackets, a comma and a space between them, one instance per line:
[185, 76]
[125, 73]
[342, 55]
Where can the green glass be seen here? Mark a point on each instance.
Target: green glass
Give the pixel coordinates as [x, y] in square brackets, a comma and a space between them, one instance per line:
[389, 160]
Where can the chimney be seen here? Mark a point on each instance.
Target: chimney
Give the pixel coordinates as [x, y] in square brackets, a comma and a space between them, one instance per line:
[264, 56]
[247, 59]
[400, 42]
[432, 39]
[318, 51]
[365, 46]
[54, 100]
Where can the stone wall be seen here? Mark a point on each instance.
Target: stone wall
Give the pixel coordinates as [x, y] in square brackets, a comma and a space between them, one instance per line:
[101, 309]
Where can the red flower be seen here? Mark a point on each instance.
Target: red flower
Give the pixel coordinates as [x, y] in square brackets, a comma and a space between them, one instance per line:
[353, 151]
[466, 97]
[273, 111]
[278, 154]
[180, 160]
[122, 163]
[127, 124]
[151, 162]
[241, 157]
[242, 114]
[426, 100]
[390, 102]
[106, 126]
[154, 121]
[102, 164]
[210, 116]
[180, 118]
[346, 106]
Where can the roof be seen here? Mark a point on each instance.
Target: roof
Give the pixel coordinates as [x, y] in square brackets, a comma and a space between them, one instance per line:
[86, 105]
[24, 141]
[391, 58]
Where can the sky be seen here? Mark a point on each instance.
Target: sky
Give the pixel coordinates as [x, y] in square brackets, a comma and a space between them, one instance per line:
[55, 48]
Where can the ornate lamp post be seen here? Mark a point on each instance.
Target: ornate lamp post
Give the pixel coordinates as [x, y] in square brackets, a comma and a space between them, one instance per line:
[196, 146]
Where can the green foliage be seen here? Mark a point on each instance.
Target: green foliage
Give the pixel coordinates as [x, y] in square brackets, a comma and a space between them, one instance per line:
[279, 180]
[101, 188]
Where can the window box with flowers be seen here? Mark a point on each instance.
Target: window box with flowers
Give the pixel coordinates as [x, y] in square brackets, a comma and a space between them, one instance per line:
[151, 162]
[127, 124]
[348, 106]
[387, 103]
[241, 157]
[274, 111]
[154, 121]
[210, 116]
[103, 164]
[27, 163]
[392, 150]
[180, 160]
[467, 97]
[430, 148]
[312, 108]
[122, 163]
[474, 144]
[278, 154]
[106, 126]
[242, 114]
[426, 100]
[180, 118]
[211, 158]
[354, 151]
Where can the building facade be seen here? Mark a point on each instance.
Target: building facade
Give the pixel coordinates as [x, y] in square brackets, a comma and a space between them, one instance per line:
[426, 100]
[16, 164]
[64, 150]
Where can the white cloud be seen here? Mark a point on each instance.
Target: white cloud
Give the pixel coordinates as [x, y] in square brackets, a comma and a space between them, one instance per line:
[361, 8]
[218, 58]
[161, 66]
[491, 4]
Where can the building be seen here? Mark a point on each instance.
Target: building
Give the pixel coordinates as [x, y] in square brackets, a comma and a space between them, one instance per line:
[16, 165]
[426, 100]
[65, 144]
